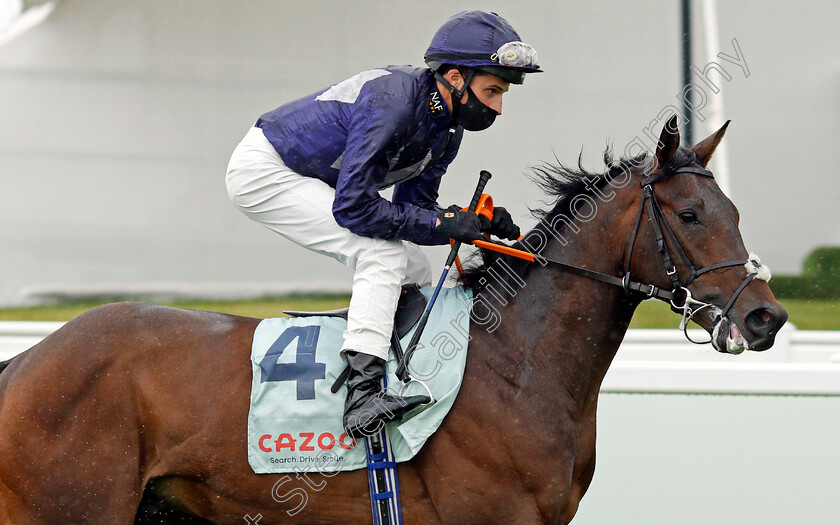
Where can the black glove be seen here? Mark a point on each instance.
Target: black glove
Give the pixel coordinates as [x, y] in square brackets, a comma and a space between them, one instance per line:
[502, 225]
[462, 226]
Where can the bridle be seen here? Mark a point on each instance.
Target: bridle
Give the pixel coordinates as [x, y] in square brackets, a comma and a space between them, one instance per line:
[679, 292]
[679, 296]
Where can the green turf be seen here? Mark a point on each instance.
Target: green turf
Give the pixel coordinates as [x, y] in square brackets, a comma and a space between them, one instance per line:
[805, 314]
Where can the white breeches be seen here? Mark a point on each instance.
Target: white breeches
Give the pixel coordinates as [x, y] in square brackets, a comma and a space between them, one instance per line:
[300, 209]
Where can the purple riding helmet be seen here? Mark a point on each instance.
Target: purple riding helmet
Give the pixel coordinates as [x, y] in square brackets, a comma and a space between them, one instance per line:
[475, 40]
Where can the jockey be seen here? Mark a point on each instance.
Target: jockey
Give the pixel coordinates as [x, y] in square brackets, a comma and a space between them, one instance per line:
[312, 169]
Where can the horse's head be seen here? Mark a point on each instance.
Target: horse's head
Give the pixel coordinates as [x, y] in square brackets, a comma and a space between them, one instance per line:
[699, 252]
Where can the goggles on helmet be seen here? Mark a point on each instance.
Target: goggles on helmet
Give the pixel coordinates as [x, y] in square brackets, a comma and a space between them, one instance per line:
[485, 42]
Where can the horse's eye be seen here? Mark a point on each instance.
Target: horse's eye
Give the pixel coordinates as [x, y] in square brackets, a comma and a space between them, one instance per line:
[688, 217]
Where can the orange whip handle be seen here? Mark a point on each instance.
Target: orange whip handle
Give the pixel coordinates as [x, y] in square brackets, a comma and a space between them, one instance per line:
[485, 208]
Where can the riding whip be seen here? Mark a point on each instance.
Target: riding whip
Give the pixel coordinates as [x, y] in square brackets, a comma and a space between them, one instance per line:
[402, 369]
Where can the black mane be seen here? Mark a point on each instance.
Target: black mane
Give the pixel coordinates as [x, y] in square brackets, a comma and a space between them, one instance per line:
[561, 184]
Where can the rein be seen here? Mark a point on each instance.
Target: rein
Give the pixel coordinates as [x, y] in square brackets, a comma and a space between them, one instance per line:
[679, 292]
[625, 282]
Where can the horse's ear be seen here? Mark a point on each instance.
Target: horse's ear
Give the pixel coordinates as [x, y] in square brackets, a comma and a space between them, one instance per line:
[706, 148]
[669, 141]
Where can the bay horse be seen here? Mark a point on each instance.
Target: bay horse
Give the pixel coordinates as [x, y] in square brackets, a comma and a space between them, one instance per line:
[133, 405]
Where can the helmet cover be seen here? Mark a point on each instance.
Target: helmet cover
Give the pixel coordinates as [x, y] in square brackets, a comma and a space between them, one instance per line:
[483, 41]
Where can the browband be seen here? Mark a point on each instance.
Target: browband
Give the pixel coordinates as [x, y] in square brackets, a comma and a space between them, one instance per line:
[697, 171]
[703, 172]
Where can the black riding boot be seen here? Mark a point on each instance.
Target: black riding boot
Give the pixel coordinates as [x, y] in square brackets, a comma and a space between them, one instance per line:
[367, 407]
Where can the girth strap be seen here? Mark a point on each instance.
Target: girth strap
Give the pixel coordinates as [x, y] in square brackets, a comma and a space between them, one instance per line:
[382, 477]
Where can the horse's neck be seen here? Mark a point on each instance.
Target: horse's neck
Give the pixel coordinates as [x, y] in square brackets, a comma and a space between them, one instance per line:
[560, 332]
[528, 401]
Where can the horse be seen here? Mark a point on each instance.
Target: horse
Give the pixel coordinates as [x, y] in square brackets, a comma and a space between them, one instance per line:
[133, 405]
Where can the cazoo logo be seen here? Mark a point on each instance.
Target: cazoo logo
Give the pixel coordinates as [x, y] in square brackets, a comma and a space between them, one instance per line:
[305, 442]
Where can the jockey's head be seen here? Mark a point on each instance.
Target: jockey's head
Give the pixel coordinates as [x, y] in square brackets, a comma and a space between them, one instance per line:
[475, 57]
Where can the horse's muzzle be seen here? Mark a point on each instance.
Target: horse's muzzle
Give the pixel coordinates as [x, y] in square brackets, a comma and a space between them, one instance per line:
[759, 333]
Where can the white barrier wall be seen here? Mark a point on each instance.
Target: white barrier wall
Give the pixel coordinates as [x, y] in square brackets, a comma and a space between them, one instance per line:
[688, 459]
[687, 436]
[17, 336]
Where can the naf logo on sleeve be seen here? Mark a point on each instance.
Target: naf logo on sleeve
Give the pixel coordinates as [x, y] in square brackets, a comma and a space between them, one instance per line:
[435, 103]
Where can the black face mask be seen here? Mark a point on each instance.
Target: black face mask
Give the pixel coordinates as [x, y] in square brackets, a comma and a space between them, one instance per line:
[473, 115]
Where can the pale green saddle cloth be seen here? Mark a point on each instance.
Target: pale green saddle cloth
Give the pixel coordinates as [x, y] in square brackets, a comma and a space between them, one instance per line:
[294, 423]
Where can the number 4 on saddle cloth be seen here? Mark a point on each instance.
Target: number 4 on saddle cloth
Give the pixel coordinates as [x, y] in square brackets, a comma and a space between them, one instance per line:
[294, 421]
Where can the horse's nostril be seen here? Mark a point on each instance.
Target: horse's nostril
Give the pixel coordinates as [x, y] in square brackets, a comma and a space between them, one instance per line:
[760, 321]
